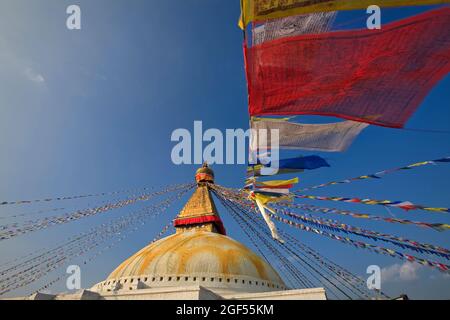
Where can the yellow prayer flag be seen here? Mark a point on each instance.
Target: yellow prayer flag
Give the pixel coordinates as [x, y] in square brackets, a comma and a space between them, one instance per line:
[258, 10]
[265, 199]
[419, 164]
[436, 209]
[277, 183]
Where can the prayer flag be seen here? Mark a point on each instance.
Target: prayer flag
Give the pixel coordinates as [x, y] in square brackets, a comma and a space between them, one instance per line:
[329, 137]
[372, 76]
[258, 10]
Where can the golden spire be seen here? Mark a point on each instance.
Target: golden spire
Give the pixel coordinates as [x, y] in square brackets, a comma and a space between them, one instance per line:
[200, 212]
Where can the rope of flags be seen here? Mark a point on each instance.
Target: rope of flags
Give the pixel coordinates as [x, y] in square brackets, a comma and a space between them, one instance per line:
[378, 175]
[103, 250]
[358, 282]
[94, 232]
[31, 213]
[338, 226]
[334, 272]
[161, 234]
[292, 274]
[405, 205]
[341, 227]
[239, 197]
[12, 230]
[275, 251]
[23, 274]
[311, 208]
[245, 204]
[90, 195]
[358, 244]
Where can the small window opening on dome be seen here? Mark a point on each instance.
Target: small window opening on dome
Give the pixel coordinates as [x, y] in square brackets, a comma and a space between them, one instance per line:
[249, 282]
[228, 280]
[195, 278]
[186, 279]
[161, 279]
[203, 279]
[243, 281]
[212, 279]
[178, 278]
[131, 281]
[220, 279]
[153, 279]
[169, 279]
[145, 280]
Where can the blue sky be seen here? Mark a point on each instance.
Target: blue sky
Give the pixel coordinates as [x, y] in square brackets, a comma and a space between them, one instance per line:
[93, 110]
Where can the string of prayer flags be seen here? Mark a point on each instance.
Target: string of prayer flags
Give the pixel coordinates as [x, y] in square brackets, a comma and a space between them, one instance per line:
[236, 196]
[3, 203]
[293, 26]
[33, 269]
[341, 227]
[346, 277]
[379, 174]
[31, 213]
[405, 205]
[362, 245]
[311, 208]
[258, 10]
[329, 137]
[350, 74]
[357, 282]
[13, 230]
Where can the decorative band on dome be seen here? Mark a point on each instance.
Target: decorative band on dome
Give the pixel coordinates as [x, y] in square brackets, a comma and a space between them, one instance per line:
[199, 220]
[204, 177]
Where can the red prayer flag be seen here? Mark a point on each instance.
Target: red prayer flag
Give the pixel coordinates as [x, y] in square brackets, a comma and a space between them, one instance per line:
[374, 76]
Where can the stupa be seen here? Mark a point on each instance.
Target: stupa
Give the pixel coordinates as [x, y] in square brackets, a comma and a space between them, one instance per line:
[198, 262]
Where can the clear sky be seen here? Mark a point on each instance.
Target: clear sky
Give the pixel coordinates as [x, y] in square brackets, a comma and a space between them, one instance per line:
[93, 110]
